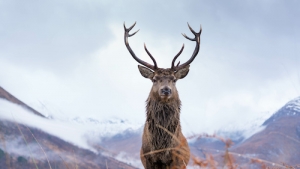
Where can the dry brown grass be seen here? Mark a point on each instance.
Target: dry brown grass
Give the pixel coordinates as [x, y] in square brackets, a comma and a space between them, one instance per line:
[33, 160]
[229, 160]
[40, 147]
[2, 140]
[228, 157]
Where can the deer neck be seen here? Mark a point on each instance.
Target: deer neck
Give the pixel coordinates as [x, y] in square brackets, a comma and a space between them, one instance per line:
[162, 117]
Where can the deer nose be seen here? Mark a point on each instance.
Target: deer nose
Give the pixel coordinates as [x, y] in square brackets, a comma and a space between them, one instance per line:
[166, 91]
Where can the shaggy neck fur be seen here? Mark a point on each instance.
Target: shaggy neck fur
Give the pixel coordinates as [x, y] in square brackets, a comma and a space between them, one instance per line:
[166, 115]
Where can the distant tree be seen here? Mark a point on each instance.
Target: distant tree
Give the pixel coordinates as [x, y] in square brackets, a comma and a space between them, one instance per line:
[2, 153]
[21, 159]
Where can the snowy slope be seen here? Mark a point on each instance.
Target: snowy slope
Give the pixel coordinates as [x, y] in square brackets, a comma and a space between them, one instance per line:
[294, 105]
[77, 130]
[104, 127]
[292, 108]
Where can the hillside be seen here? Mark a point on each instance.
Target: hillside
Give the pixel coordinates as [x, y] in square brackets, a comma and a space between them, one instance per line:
[24, 147]
[279, 142]
[41, 147]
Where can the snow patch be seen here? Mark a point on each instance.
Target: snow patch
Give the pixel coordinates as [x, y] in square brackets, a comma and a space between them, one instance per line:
[293, 106]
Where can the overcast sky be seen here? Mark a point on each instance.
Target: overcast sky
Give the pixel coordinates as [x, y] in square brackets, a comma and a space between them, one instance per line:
[70, 57]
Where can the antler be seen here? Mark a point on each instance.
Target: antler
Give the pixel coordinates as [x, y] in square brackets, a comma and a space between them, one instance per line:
[126, 35]
[197, 48]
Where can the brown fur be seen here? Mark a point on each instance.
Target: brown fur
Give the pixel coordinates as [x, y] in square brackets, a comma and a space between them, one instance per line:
[163, 144]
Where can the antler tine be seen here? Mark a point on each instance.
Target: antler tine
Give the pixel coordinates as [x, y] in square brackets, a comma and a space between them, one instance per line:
[190, 29]
[129, 29]
[133, 33]
[152, 58]
[126, 35]
[183, 34]
[172, 66]
[197, 48]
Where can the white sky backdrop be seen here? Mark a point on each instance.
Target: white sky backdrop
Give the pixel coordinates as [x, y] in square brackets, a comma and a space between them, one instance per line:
[70, 56]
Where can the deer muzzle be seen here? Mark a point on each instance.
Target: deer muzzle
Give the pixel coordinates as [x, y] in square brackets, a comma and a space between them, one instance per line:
[166, 91]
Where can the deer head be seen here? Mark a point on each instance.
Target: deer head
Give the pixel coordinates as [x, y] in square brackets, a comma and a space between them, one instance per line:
[164, 80]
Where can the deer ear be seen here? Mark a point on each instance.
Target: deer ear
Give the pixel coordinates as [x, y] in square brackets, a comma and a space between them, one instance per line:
[181, 73]
[147, 73]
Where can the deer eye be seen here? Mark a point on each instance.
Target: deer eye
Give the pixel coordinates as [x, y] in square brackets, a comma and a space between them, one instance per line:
[154, 80]
[174, 81]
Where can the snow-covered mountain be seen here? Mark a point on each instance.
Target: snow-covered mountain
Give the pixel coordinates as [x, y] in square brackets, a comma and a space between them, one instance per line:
[102, 128]
[292, 108]
[77, 130]
[279, 141]
[30, 140]
[95, 127]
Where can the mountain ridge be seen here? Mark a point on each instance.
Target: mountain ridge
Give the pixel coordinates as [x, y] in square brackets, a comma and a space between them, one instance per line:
[292, 108]
[9, 97]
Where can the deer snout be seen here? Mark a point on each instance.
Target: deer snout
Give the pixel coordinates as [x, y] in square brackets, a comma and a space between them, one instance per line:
[166, 91]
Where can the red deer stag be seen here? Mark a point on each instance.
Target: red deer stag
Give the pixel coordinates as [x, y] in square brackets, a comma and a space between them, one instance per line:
[163, 144]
